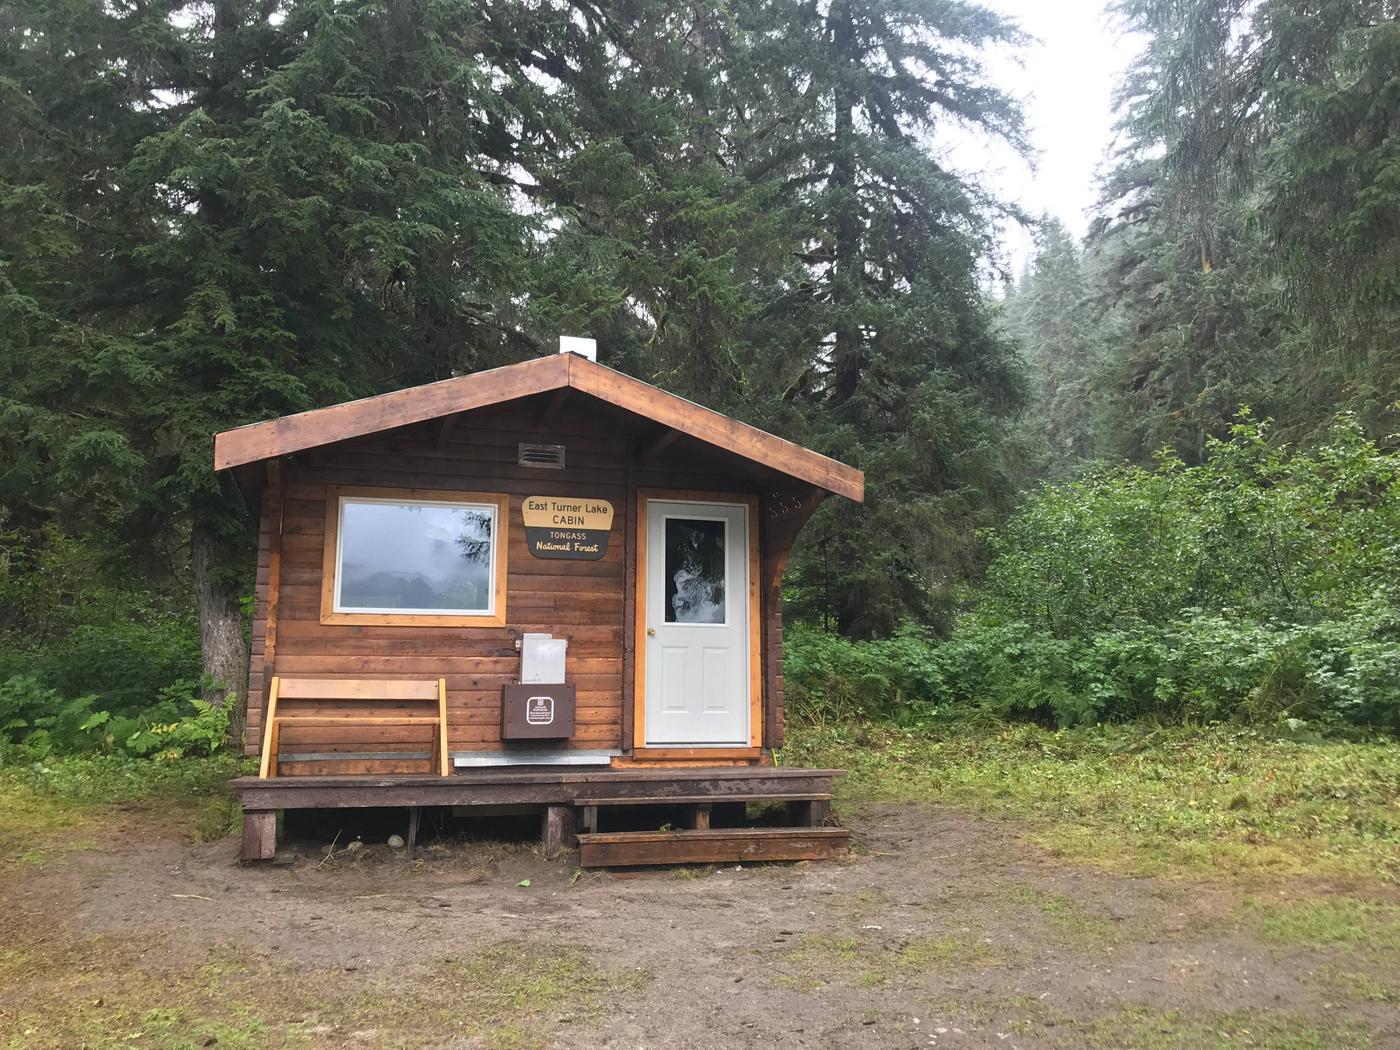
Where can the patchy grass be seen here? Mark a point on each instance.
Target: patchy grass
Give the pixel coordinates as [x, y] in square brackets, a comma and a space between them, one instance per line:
[530, 978]
[922, 954]
[1333, 922]
[1357, 986]
[97, 992]
[1143, 1028]
[1144, 801]
[693, 871]
[48, 808]
[101, 993]
[1067, 916]
[867, 962]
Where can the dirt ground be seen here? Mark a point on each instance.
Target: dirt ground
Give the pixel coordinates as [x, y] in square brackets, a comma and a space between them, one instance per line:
[941, 930]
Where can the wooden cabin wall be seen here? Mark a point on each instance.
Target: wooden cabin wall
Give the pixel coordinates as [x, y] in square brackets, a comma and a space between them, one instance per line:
[582, 601]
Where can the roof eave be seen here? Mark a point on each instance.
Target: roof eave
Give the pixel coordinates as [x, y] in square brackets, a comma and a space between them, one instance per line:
[325, 426]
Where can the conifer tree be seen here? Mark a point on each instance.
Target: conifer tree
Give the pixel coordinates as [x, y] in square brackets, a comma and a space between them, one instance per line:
[879, 338]
[1055, 322]
[287, 211]
[216, 213]
[1251, 222]
[753, 215]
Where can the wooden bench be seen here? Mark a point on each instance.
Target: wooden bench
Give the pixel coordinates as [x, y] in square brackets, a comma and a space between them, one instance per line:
[311, 703]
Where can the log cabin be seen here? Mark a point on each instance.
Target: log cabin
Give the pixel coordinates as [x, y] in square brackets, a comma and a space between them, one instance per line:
[549, 585]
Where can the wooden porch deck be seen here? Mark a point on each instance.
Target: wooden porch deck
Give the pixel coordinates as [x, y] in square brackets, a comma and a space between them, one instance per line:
[561, 792]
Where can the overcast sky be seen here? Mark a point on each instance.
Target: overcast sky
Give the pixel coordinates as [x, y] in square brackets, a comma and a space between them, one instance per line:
[1066, 80]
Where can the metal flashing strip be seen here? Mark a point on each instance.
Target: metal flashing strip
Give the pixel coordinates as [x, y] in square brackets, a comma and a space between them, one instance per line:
[476, 759]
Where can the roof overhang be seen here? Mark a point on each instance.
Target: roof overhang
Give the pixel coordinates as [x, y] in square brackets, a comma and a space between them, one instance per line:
[352, 419]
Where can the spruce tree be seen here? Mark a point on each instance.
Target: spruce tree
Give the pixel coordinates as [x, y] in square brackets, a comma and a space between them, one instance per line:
[220, 213]
[1252, 218]
[878, 344]
[287, 210]
[1056, 324]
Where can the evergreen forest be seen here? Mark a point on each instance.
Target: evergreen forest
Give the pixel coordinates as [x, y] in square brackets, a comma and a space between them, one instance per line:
[1153, 473]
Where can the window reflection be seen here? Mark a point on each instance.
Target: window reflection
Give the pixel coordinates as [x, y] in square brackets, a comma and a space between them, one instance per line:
[415, 557]
[695, 570]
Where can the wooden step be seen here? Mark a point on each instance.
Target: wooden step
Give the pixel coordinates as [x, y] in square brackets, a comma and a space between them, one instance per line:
[691, 800]
[623, 848]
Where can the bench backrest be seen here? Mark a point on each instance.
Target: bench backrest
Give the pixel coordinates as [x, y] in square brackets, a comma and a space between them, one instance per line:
[355, 689]
[333, 714]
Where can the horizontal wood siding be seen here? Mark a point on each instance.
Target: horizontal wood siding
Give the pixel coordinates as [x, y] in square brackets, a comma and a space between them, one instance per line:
[582, 601]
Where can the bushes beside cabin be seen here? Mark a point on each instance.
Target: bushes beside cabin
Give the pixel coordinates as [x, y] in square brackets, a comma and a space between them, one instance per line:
[1198, 668]
[93, 661]
[1261, 584]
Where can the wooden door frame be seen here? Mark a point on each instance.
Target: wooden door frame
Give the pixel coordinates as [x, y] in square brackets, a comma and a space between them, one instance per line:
[639, 671]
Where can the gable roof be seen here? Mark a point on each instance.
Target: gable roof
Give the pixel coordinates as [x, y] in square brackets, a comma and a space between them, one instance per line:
[323, 426]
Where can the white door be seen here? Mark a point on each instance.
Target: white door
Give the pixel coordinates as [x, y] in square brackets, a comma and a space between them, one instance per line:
[696, 616]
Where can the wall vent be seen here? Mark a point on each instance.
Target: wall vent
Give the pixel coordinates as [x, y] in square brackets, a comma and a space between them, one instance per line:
[551, 457]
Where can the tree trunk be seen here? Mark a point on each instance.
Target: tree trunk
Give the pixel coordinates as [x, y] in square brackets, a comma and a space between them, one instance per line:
[221, 639]
[847, 357]
[220, 627]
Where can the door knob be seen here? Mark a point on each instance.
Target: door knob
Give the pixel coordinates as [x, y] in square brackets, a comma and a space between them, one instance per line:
[651, 632]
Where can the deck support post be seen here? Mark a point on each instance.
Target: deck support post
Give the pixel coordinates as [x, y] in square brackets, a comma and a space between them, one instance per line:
[588, 818]
[810, 814]
[415, 814]
[702, 816]
[558, 830]
[259, 834]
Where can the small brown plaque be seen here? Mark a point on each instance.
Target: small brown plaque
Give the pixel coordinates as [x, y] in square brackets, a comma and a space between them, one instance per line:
[537, 712]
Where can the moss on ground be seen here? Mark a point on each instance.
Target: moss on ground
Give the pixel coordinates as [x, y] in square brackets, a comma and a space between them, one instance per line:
[100, 993]
[867, 961]
[1144, 1028]
[1218, 801]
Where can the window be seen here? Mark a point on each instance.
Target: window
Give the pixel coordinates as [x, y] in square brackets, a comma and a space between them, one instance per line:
[414, 557]
[695, 570]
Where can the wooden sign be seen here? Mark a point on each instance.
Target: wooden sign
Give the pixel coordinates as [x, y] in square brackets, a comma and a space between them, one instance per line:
[567, 527]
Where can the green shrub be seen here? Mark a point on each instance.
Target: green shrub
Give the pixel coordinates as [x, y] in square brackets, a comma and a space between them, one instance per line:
[42, 720]
[1261, 585]
[1263, 532]
[830, 678]
[124, 665]
[172, 731]
[1199, 667]
[36, 722]
[92, 657]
